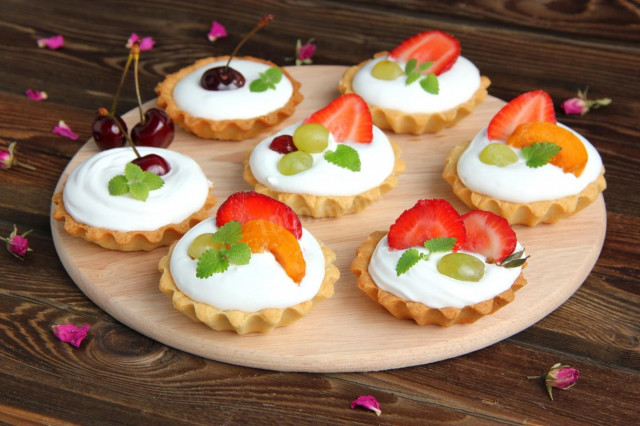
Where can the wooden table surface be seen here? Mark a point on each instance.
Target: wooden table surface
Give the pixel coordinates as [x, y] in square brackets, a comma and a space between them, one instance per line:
[120, 376]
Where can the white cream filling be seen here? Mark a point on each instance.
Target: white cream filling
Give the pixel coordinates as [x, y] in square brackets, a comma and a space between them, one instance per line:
[261, 284]
[191, 97]
[86, 192]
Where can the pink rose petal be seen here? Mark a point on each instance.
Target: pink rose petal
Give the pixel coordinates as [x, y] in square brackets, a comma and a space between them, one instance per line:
[36, 95]
[69, 333]
[217, 31]
[63, 129]
[146, 43]
[53, 43]
[367, 401]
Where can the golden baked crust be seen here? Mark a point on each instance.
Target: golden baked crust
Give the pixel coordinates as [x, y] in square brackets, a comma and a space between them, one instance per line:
[329, 206]
[242, 322]
[232, 130]
[129, 241]
[415, 123]
[520, 213]
[419, 312]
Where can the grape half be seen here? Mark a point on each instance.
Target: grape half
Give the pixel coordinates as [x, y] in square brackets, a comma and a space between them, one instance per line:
[461, 266]
[311, 137]
[202, 243]
[386, 70]
[294, 163]
[498, 154]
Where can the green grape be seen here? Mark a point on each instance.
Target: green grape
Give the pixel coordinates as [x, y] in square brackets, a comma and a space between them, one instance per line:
[386, 70]
[202, 243]
[461, 266]
[294, 163]
[498, 154]
[311, 137]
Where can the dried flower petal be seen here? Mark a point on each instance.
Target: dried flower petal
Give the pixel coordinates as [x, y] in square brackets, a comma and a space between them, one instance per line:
[6, 159]
[63, 129]
[53, 43]
[69, 333]
[36, 95]
[217, 31]
[145, 43]
[581, 105]
[367, 401]
[304, 52]
[17, 245]
[559, 376]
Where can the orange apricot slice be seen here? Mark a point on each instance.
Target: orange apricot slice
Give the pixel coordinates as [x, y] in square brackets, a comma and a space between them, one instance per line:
[262, 235]
[573, 156]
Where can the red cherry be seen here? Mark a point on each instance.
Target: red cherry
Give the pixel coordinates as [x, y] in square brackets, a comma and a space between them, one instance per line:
[153, 163]
[283, 144]
[222, 78]
[106, 132]
[156, 130]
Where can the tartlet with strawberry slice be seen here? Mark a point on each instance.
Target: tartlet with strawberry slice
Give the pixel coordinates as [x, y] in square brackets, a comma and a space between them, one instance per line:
[525, 166]
[250, 269]
[437, 267]
[422, 86]
[332, 163]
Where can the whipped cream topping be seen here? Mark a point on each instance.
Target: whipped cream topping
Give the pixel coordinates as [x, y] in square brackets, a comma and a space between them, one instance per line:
[457, 85]
[261, 284]
[325, 178]
[424, 284]
[86, 193]
[519, 183]
[231, 104]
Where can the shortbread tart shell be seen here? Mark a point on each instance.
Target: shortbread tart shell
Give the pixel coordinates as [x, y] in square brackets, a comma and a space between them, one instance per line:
[416, 311]
[326, 205]
[231, 130]
[530, 214]
[133, 240]
[243, 322]
[415, 123]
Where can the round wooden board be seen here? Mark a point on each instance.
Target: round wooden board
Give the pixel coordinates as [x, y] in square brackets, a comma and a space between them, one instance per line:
[348, 332]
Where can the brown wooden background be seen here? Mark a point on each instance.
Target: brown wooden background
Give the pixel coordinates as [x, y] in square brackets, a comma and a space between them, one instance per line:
[119, 376]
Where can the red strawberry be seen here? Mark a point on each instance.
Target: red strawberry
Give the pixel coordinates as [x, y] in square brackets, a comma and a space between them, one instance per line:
[488, 234]
[440, 48]
[246, 206]
[347, 118]
[527, 108]
[427, 219]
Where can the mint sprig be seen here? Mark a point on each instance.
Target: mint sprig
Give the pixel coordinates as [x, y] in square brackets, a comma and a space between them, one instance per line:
[414, 72]
[215, 261]
[267, 80]
[412, 256]
[135, 182]
[344, 156]
[539, 153]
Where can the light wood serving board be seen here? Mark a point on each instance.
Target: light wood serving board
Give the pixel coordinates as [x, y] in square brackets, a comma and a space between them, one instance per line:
[348, 332]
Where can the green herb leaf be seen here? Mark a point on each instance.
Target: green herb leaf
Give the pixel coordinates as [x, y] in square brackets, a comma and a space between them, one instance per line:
[410, 66]
[425, 65]
[267, 80]
[258, 86]
[430, 84]
[440, 244]
[133, 172]
[139, 190]
[539, 153]
[274, 74]
[239, 253]
[412, 77]
[514, 260]
[118, 185]
[229, 233]
[344, 156]
[408, 259]
[211, 262]
[135, 182]
[152, 180]
[218, 260]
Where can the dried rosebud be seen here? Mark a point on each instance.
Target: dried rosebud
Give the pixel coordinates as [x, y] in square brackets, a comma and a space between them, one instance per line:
[17, 245]
[145, 43]
[304, 52]
[559, 376]
[581, 105]
[69, 333]
[367, 401]
[217, 31]
[8, 158]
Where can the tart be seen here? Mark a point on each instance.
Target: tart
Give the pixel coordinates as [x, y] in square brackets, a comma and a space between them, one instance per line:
[287, 273]
[122, 222]
[421, 86]
[525, 166]
[436, 267]
[334, 162]
[235, 113]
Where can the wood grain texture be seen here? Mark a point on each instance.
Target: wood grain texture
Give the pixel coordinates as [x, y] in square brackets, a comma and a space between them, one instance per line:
[120, 376]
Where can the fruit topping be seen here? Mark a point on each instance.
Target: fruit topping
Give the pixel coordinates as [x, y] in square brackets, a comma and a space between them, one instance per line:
[526, 108]
[246, 206]
[461, 266]
[106, 133]
[488, 234]
[387, 70]
[311, 138]
[572, 157]
[155, 129]
[219, 250]
[347, 117]
[263, 235]
[430, 46]
[428, 219]
[152, 163]
[411, 256]
[498, 154]
[294, 163]
[202, 243]
[283, 144]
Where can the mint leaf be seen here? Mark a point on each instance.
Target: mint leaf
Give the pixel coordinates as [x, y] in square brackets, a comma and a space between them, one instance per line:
[410, 66]
[411, 77]
[118, 185]
[408, 259]
[258, 86]
[539, 153]
[344, 156]
[152, 180]
[274, 74]
[139, 190]
[440, 244]
[229, 233]
[267, 80]
[425, 65]
[133, 172]
[430, 84]
[136, 182]
[239, 253]
[211, 262]
[412, 256]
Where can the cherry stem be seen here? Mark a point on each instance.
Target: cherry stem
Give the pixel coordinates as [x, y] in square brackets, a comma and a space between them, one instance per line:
[124, 74]
[135, 51]
[264, 21]
[103, 111]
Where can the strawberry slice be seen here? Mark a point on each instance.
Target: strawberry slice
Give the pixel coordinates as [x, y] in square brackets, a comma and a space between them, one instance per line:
[488, 234]
[427, 219]
[250, 205]
[441, 48]
[527, 108]
[347, 118]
